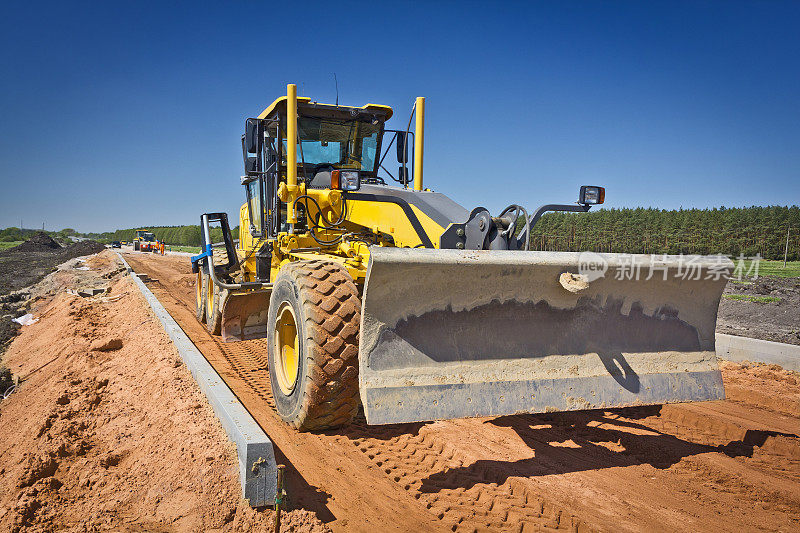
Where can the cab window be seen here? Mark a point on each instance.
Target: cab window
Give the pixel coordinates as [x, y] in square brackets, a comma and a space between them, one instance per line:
[255, 207]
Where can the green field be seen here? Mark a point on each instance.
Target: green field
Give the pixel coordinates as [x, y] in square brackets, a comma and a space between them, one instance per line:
[10, 244]
[772, 268]
[190, 249]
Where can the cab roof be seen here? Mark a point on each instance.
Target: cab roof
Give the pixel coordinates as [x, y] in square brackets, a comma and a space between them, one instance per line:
[303, 101]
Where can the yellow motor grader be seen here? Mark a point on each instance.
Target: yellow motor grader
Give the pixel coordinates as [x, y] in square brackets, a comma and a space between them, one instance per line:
[398, 299]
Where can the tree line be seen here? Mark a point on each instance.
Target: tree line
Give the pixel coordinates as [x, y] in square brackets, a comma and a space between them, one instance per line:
[173, 235]
[14, 234]
[729, 231]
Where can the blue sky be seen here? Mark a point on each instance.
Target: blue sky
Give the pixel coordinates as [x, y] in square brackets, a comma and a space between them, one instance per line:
[128, 114]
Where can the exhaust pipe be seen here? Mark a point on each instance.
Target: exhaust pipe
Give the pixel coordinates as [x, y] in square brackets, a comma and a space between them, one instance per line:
[291, 151]
[419, 142]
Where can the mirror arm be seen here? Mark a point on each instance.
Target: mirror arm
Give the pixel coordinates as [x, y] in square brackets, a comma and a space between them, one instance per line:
[380, 163]
[579, 208]
[387, 171]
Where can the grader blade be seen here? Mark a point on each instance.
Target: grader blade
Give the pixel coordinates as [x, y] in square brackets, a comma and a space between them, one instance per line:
[450, 333]
[244, 315]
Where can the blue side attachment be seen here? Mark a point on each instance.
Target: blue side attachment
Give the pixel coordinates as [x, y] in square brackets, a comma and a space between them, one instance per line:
[207, 253]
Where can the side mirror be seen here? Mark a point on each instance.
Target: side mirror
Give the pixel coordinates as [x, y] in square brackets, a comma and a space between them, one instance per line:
[402, 147]
[251, 128]
[592, 195]
[402, 175]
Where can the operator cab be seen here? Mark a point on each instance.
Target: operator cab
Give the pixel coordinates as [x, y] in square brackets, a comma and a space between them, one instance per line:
[327, 144]
[340, 147]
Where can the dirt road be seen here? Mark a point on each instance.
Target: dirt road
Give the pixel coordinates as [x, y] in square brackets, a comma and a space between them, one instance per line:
[732, 465]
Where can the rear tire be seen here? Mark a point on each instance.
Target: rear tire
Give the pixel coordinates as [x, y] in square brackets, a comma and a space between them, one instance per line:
[312, 333]
[200, 294]
[213, 308]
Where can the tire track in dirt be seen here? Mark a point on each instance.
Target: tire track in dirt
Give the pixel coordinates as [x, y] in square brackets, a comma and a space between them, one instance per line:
[413, 458]
[677, 467]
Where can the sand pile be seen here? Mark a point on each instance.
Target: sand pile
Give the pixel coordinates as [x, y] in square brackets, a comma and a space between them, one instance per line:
[763, 385]
[108, 429]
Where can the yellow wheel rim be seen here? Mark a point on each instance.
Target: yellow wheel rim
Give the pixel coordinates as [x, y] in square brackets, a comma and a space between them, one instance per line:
[210, 299]
[199, 289]
[287, 349]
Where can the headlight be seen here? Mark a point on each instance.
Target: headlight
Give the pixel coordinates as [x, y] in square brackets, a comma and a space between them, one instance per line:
[350, 181]
[591, 194]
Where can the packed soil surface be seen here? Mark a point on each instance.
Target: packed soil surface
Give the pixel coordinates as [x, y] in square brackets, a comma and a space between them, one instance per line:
[731, 465]
[108, 430]
[766, 308]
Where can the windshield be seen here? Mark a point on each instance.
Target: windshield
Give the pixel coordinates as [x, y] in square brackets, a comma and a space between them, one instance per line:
[348, 144]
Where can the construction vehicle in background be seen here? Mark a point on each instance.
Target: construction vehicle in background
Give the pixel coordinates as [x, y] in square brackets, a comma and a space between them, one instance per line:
[145, 241]
[399, 299]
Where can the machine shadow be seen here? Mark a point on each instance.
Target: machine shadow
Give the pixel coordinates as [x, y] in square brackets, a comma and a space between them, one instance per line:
[303, 495]
[619, 368]
[569, 442]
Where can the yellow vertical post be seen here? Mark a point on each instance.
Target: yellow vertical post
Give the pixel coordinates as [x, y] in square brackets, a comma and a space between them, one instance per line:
[419, 142]
[291, 150]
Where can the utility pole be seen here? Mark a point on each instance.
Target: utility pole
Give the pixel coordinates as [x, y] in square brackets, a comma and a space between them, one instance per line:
[786, 248]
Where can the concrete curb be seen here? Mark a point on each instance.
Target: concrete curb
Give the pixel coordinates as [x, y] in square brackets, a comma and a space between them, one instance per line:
[733, 348]
[257, 467]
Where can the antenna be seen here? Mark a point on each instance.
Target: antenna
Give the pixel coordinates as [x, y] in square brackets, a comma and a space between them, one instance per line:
[336, 81]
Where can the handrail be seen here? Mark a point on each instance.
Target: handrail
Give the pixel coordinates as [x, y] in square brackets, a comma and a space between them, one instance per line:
[209, 254]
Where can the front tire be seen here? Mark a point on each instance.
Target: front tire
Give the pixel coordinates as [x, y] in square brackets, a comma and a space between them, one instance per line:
[312, 333]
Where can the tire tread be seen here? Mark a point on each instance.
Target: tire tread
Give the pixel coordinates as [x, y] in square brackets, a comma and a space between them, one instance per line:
[332, 310]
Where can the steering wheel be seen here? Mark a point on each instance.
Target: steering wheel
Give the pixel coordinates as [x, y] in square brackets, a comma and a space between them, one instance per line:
[320, 166]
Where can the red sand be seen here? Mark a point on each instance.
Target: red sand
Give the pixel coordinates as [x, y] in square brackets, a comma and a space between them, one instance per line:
[109, 431]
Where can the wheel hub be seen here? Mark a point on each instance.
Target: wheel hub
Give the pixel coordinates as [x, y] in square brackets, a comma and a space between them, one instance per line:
[287, 349]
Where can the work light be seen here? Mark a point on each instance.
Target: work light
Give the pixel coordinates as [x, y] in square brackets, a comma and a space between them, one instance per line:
[350, 181]
[592, 195]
